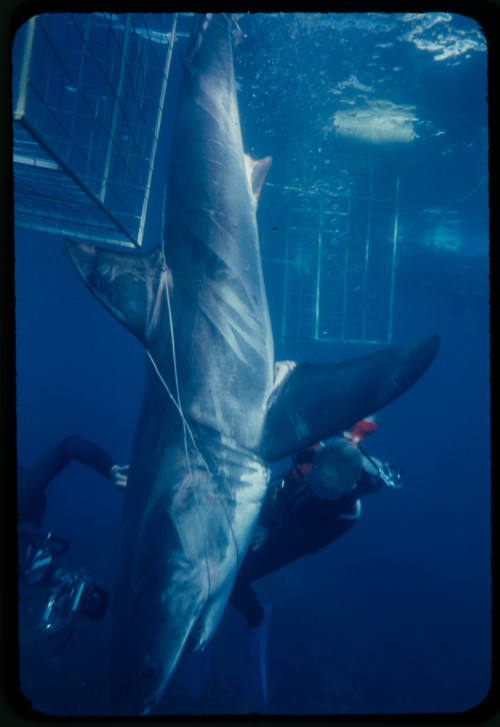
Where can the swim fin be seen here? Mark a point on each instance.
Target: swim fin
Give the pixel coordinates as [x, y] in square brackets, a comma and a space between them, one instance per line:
[257, 647]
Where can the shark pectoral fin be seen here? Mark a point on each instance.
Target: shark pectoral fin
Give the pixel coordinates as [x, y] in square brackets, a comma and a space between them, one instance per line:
[127, 284]
[257, 170]
[316, 401]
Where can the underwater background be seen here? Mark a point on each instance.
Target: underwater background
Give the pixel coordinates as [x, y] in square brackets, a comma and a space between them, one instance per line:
[389, 112]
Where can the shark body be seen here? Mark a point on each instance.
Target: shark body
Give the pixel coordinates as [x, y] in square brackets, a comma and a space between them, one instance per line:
[217, 410]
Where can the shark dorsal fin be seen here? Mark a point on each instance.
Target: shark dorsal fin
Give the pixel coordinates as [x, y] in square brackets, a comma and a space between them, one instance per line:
[257, 170]
[310, 402]
[128, 284]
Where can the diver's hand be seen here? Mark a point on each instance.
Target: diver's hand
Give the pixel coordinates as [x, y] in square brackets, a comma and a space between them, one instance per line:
[259, 537]
[119, 474]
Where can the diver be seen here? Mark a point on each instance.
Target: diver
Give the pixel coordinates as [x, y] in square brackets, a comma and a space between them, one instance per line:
[72, 593]
[315, 502]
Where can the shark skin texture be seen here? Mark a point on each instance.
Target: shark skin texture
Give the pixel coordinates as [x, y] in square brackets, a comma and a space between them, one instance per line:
[217, 409]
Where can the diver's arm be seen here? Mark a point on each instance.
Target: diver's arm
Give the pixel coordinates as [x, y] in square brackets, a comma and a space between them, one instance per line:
[33, 482]
[75, 447]
[88, 453]
[93, 456]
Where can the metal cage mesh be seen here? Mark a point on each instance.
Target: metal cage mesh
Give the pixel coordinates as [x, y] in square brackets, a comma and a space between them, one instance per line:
[89, 92]
[331, 259]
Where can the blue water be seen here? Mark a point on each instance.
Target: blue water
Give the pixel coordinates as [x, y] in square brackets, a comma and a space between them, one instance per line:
[395, 615]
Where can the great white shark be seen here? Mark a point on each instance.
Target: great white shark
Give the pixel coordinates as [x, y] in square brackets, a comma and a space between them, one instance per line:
[217, 410]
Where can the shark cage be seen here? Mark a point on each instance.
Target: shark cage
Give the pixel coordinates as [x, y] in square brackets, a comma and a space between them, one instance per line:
[332, 258]
[89, 96]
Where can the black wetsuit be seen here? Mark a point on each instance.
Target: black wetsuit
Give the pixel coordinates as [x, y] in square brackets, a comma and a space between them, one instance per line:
[299, 523]
[33, 482]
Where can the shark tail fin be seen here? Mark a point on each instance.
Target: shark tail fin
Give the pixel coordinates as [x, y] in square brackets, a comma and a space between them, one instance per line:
[311, 402]
[127, 284]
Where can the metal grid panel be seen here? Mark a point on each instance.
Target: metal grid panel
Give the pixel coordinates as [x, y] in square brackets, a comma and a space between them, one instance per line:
[89, 98]
[330, 265]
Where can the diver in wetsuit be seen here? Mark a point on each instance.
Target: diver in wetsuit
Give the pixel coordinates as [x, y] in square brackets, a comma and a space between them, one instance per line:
[313, 504]
[72, 593]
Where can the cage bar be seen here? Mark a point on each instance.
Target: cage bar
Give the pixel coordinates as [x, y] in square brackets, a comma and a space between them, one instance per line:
[394, 260]
[366, 263]
[317, 295]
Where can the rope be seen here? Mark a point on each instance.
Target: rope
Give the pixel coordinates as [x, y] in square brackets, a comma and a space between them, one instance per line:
[177, 402]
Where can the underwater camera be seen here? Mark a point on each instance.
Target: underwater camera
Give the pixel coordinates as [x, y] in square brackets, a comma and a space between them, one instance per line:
[74, 595]
[39, 554]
